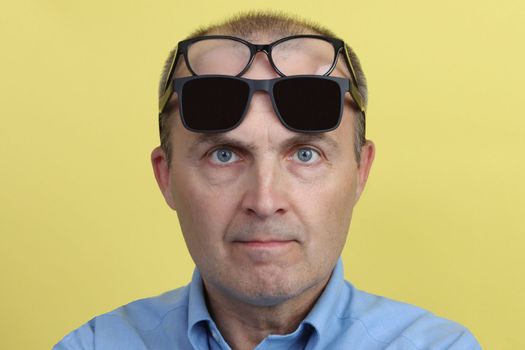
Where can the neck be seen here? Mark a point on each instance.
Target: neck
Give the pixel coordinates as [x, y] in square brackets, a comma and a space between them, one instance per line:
[244, 325]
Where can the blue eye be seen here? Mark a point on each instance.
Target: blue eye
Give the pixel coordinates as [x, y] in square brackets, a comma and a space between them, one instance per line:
[223, 156]
[306, 155]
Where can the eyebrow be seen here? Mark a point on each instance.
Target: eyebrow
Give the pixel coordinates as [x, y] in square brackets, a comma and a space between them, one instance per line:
[311, 138]
[300, 138]
[217, 139]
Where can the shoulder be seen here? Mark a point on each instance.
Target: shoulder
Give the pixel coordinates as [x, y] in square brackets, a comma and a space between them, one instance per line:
[131, 322]
[146, 314]
[394, 323]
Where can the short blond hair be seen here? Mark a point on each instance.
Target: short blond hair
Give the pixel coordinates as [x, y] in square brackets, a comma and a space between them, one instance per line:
[248, 24]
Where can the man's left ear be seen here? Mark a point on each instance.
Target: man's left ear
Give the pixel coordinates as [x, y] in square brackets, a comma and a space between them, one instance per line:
[368, 152]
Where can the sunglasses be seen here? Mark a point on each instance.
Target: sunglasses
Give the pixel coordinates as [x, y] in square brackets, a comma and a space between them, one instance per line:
[303, 103]
[305, 98]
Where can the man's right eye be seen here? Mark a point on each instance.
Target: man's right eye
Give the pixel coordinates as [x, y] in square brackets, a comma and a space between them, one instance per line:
[223, 156]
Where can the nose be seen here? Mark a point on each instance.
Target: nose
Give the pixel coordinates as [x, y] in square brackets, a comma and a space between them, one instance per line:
[265, 195]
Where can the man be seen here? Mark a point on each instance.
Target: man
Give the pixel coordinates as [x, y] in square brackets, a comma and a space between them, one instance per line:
[263, 157]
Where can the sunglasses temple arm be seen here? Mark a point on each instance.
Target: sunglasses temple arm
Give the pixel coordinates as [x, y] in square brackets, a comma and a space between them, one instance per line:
[163, 101]
[168, 86]
[172, 68]
[356, 96]
[358, 99]
[354, 90]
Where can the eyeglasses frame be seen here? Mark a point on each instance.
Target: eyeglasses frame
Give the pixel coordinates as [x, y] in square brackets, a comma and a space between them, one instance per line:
[338, 45]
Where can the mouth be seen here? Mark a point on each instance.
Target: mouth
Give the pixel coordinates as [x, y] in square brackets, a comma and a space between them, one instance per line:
[263, 251]
[264, 244]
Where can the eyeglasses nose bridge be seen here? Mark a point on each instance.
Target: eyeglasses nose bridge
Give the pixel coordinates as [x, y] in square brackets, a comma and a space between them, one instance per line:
[262, 47]
[256, 48]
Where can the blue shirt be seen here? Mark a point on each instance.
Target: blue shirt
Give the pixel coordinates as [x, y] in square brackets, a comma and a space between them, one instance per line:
[343, 318]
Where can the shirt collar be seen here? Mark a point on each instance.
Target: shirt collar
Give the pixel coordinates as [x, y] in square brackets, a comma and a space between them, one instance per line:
[331, 303]
[197, 309]
[199, 318]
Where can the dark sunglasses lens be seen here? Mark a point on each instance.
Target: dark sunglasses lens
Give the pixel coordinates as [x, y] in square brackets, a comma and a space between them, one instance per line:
[213, 103]
[308, 103]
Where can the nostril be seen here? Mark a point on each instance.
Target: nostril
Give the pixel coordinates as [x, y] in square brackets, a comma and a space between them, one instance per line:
[250, 211]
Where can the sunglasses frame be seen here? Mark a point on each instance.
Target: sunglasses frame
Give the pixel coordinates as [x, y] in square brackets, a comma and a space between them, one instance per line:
[266, 85]
[339, 47]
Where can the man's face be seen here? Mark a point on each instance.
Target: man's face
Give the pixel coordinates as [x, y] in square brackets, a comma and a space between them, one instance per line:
[264, 211]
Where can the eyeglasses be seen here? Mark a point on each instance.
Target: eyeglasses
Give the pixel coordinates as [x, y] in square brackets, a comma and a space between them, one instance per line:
[292, 55]
[220, 55]
[303, 103]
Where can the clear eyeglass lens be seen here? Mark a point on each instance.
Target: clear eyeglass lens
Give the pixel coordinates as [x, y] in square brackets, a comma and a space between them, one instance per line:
[218, 56]
[303, 56]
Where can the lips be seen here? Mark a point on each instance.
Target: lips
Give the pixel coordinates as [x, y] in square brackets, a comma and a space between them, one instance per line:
[271, 243]
[264, 251]
[271, 234]
[268, 245]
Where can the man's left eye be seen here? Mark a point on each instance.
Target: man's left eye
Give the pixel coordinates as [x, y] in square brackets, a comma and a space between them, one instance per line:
[223, 156]
[306, 155]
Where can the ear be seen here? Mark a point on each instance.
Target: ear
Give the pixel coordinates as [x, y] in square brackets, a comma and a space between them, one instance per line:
[368, 152]
[159, 161]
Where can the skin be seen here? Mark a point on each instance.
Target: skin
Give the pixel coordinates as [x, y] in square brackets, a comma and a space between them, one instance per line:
[265, 227]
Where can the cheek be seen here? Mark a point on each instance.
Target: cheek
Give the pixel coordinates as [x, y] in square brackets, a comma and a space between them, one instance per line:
[327, 208]
[204, 209]
[344, 200]
[201, 223]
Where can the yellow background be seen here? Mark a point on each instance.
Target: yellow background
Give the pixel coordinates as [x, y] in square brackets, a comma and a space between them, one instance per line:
[83, 226]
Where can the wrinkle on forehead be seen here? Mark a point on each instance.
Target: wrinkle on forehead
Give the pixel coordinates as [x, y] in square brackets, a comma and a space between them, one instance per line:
[261, 124]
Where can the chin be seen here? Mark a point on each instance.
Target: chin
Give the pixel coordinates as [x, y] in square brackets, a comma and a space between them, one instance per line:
[264, 297]
[267, 300]
[270, 292]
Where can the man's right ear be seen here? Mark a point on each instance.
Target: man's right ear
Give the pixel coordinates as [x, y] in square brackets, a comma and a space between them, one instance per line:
[159, 161]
